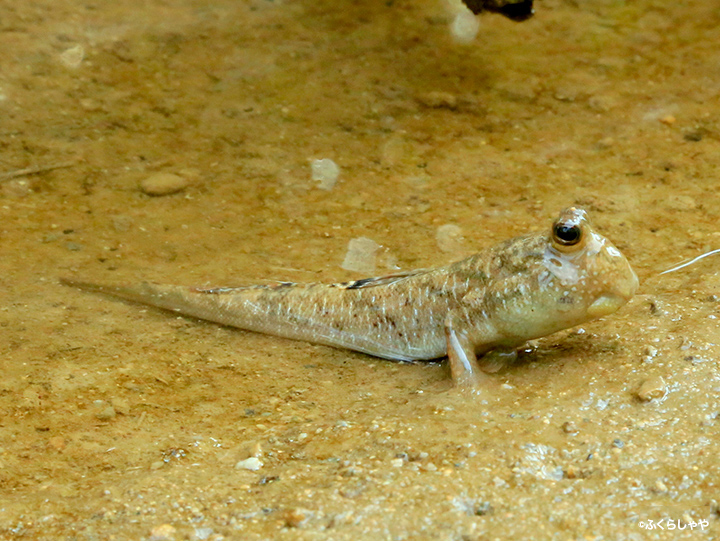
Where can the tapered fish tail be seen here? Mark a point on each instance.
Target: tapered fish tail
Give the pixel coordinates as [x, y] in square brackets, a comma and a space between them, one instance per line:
[179, 299]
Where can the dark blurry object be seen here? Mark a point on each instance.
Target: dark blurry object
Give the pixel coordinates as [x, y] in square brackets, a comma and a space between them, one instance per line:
[517, 10]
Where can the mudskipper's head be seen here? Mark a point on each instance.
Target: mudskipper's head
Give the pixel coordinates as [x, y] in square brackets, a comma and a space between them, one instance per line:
[574, 275]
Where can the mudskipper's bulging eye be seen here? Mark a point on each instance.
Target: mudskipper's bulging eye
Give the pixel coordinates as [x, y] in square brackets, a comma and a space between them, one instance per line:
[567, 234]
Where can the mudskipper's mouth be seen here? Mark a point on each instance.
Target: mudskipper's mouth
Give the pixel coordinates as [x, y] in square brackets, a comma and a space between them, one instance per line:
[606, 305]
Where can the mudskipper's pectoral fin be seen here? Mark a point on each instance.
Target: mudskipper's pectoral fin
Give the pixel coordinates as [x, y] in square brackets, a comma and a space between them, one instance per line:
[463, 362]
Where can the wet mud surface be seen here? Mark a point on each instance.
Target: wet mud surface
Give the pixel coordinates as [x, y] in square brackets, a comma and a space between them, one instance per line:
[122, 422]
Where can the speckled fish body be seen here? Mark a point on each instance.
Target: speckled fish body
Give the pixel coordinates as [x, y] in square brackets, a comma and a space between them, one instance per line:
[520, 289]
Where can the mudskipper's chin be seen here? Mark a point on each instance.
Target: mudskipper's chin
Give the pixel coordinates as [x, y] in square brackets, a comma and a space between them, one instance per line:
[612, 301]
[605, 305]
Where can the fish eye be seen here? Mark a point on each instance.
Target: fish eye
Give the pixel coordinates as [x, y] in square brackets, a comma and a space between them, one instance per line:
[567, 234]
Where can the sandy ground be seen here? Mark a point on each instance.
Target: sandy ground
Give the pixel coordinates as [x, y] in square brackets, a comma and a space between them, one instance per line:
[118, 422]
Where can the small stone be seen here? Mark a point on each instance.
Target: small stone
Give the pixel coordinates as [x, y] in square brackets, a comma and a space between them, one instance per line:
[106, 413]
[668, 120]
[483, 508]
[121, 223]
[163, 184]
[715, 507]
[572, 472]
[361, 255]
[252, 464]
[121, 405]
[73, 56]
[325, 172]
[57, 443]
[652, 389]
[465, 26]
[203, 533]
[499, 483]
[570, 428]
[162, 532]
[605, 143]
[73, 246]
[449, 238]
[437, 99]
[601, 103]
[649, 353]
[397, 462]
[17, 188]
[50, 237]
[695, 135]
[254, 449]
[294, 518]
[660, 487]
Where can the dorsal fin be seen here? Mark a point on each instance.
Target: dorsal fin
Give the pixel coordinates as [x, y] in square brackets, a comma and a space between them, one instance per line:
[380, 280]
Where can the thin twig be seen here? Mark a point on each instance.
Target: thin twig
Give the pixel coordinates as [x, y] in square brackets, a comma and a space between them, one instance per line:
[33, 170]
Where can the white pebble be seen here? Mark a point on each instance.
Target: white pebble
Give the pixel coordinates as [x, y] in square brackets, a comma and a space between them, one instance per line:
[73, 56]
[203, 533]
[163, 184]
[361, 255]
[325, 172]
[162, 532]
[465, 26]
[449, 238]
[653, 388]
[252, 464]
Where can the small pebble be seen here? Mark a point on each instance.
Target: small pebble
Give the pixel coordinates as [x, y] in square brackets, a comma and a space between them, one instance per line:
[121, 223]
[668, 120]
[570, 428]
[203, 533]
[163, 184]
[605, 143]
[465, 26]
[16, 188]
[397, 462]
[254, 450]
[325, 172]
[649, 353]
[50, 237]
[73, 56]
[121, 405]
[106, 413]
[294, 518]
[499, 483]
[73, 246]
[660, 486]
[652, 388]
[252, 464]
[361, 255]
[57, 442]
[449, 238]
[162, 532]
[437, 99]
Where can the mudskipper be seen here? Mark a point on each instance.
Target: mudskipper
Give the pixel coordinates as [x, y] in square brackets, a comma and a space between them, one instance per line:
[490, 303]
